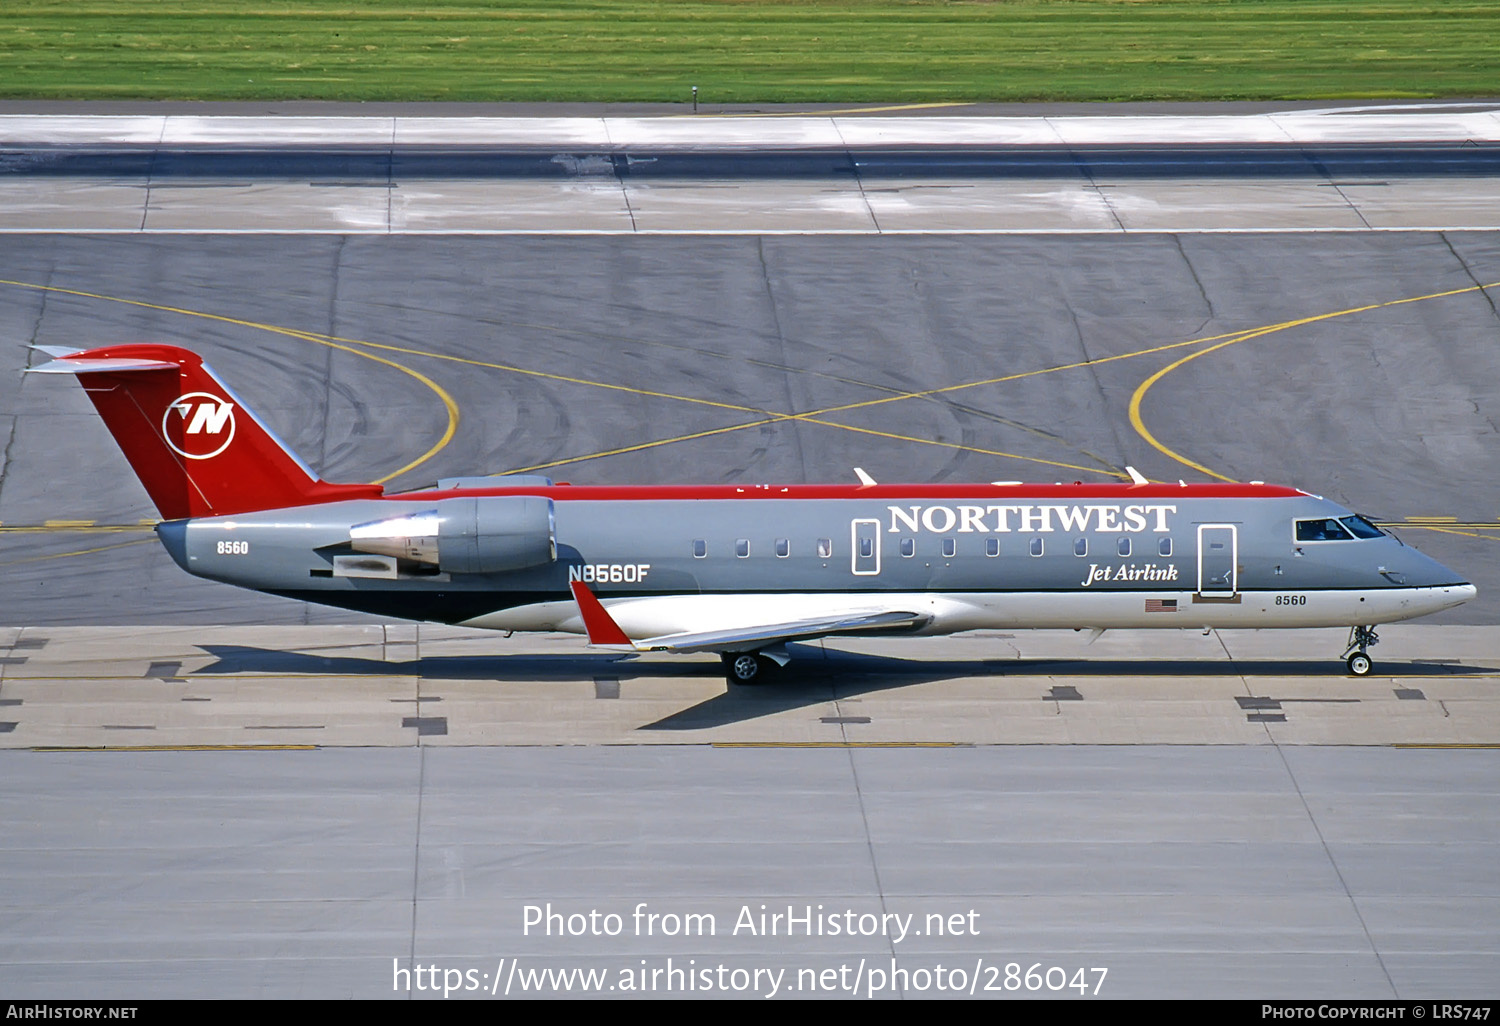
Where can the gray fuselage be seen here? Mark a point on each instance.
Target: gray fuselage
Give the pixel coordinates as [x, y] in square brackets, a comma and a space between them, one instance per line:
[1085, 555]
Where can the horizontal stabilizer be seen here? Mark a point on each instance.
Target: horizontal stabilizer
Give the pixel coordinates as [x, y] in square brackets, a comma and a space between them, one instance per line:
[69, 361]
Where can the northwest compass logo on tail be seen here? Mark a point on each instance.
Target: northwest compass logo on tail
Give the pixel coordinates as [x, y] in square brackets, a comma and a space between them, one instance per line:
[206, 421]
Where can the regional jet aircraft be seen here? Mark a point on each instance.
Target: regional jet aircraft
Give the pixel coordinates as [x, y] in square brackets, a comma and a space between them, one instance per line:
[740, 570]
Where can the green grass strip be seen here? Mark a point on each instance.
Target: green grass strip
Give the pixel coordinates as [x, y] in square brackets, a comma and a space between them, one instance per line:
[747, 51]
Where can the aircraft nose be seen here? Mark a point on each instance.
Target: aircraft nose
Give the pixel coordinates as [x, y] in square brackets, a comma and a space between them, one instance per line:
[1437, 587]
[1436, 599]
[1460, 593]
[1415, 570]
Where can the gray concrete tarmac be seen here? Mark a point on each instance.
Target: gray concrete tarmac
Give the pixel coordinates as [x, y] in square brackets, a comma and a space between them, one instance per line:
[1240, 872]
[326, 812]
[400, 685]
[1370, 167]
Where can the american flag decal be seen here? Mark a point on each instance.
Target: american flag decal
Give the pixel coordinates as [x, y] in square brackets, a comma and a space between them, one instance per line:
[1161, 605]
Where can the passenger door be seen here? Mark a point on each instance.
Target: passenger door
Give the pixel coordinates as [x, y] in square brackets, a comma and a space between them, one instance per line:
[1218, 557]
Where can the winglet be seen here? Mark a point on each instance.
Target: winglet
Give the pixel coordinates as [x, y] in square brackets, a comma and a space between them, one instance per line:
[1136, 477]
[865, 480]
[596, 619]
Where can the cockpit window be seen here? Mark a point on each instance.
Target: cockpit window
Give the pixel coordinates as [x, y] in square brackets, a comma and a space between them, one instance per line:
[1322, 530]
[1362, 528]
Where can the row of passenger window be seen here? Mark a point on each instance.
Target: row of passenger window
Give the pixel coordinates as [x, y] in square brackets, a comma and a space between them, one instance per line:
[782, 547]
[908, 547]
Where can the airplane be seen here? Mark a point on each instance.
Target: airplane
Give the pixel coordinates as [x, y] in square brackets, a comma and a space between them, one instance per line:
[741, 570]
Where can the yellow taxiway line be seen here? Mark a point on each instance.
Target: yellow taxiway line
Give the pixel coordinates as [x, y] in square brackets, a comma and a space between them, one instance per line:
[1140, 393]
[447, 400]
[358, 347]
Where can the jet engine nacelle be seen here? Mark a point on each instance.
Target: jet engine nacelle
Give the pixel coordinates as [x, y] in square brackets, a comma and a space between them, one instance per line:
[481, 535]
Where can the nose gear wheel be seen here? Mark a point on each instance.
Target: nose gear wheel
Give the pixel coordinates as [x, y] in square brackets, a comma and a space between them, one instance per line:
[1355, 656]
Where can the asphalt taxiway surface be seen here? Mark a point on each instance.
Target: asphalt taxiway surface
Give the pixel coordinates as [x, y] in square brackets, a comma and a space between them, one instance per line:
[1357, 366]
[1218, 816]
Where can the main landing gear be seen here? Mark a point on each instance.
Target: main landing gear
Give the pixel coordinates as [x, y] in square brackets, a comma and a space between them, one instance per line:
[1355, 657]
[749, 667]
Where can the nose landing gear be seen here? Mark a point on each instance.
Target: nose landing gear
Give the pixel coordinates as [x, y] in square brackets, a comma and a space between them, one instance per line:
[1355, 656]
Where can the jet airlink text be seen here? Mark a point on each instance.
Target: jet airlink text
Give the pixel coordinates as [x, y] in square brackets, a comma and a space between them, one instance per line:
[1030, 519]
[1147, 572]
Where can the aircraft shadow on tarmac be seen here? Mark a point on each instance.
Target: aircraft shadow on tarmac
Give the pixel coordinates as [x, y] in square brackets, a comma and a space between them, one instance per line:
[814, 676]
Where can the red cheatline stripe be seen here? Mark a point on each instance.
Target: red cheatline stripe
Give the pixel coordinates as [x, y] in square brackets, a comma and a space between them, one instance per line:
[987, 492]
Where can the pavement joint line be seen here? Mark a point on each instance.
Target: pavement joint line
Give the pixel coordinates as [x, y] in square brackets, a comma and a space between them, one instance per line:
[1324, 701]
[176, 748]
[1333, 862]
[744, 232]
[1456, 746]
[840, 744]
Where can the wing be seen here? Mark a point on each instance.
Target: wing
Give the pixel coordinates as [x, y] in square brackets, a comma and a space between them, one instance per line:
[605, 633]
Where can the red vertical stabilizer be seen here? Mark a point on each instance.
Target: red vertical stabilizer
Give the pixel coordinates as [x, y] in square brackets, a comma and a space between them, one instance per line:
[195, 446]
